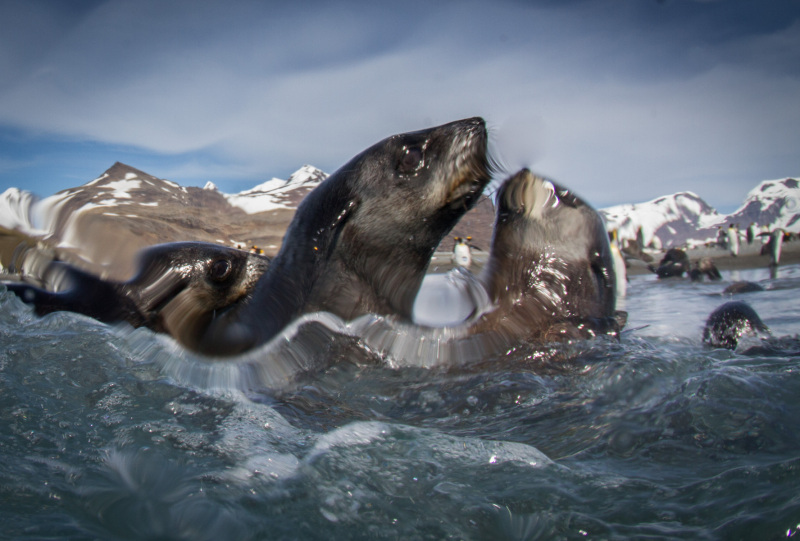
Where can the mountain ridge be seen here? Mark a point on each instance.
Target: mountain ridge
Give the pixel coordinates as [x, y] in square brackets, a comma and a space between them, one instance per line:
[102, 224]
[684, 219]
[125, 209]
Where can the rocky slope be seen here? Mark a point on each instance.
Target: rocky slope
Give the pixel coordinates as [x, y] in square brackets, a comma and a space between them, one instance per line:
[102, 224]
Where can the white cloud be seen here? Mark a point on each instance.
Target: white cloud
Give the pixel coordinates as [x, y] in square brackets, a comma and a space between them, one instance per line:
[615, 110]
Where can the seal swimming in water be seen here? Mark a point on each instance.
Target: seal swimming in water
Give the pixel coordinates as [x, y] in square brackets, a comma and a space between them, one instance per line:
[550, 273]
[362, 240]
[549, 278]
[704, 267]
[674, 263]
[176, 289]
[729, 322]
[742, 287]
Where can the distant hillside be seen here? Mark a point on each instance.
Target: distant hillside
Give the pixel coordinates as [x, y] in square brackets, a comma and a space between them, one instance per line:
[102, 224]
[685, 219]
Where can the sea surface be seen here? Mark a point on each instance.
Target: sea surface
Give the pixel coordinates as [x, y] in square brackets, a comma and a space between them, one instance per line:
[653, 437]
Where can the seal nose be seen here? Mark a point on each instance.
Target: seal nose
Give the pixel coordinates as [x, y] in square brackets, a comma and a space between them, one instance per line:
[524, 192]
[474, 126]
[475, 121]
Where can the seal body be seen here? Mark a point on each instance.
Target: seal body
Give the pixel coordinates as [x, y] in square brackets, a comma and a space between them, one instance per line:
[727, 324]
[361, 241]
[550, 273]
[177, 289]
[704, 268]
[673, 265]
[549, 278]
[742, 287]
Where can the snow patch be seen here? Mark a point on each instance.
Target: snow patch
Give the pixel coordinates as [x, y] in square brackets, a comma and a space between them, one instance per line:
[686, 218]
[98, 179]
[274, 194]
[122, 188]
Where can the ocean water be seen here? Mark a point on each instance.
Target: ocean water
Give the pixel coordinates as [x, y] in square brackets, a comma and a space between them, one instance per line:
[654, 437]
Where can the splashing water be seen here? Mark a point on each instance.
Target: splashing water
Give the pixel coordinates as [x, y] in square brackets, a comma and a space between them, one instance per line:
[655, 436]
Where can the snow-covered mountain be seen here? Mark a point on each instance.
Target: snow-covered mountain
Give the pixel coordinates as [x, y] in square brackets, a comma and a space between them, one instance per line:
[104, 223]
[685, 219]
[122, 186]
[107, 220]
[663, 221]
[775, 203]
[278, 193]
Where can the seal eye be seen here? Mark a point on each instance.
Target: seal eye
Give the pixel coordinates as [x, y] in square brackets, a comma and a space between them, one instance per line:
[411, 160]
[220, 270]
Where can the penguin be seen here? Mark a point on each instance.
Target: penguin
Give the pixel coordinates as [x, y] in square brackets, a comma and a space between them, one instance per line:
[462, 257]
[772, 246]
[733, 240]
[722, 238]
[751, 233]
[619, 264]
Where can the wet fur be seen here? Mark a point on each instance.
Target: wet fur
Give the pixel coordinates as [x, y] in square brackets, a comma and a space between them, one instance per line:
[550, 272]
[176, 290]
[361, 241]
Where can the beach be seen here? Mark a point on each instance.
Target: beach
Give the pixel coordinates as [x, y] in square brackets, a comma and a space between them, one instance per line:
[749, 258]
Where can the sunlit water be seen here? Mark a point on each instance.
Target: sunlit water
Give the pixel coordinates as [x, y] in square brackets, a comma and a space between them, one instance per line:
[655, 437]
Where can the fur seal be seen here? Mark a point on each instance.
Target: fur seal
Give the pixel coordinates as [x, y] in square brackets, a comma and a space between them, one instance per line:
[361, 241]
[729, 322]
[742, 287]
[704, 268]
[176, 289]
[674, 263]
[549, 278]
[550, 273]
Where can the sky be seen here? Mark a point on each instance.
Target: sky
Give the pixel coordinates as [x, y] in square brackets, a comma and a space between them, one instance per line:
[620, 100]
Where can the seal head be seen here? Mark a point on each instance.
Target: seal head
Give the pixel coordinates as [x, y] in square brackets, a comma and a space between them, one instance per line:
[730, 322]
[177, 289]
[674, 264]
[550, 271]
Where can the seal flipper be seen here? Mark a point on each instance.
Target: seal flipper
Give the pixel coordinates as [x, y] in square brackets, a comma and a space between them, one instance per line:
[82, 293]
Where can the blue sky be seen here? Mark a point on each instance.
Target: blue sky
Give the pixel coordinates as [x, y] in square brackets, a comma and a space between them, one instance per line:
[621, 100]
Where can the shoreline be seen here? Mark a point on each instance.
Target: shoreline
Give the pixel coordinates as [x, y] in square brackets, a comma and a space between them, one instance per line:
[749, 258]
